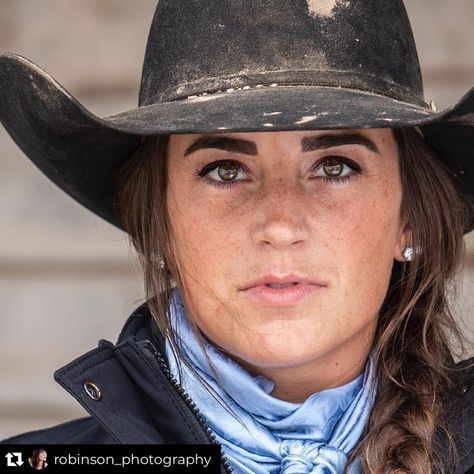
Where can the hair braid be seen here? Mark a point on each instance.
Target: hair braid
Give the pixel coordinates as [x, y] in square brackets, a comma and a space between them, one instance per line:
[417, 333]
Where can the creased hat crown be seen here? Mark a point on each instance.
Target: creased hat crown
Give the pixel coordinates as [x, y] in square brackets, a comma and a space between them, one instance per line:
[198, 46]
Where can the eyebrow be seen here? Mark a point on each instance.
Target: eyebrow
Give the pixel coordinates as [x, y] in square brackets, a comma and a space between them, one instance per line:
[236, 145]
[247, 147]
[323, 142]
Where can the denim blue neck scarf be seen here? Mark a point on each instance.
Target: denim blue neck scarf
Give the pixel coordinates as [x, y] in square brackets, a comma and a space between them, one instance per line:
[315, 436]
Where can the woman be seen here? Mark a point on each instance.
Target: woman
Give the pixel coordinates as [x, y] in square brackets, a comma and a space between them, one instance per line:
[296, 251]
[38, 459]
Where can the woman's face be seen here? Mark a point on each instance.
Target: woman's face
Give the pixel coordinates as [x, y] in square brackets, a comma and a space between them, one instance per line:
[285, 243]
[42, 455]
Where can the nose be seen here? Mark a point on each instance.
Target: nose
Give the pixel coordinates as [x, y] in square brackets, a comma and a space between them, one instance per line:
[280, 217]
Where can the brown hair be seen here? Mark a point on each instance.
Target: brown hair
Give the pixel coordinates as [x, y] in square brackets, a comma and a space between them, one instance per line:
[417, 338]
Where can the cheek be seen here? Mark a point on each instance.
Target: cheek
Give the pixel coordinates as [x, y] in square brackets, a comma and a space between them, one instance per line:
[366, 221]
[364, 236]
[200, 230]
[207, 237]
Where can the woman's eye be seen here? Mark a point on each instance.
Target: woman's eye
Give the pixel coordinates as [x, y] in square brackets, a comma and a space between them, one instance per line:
[223, 172]
[336, 169]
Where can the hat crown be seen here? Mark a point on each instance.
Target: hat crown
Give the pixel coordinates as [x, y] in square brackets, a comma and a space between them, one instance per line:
[198, 46]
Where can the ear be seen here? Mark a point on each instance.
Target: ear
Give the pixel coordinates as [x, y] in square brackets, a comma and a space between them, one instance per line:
[404, 239]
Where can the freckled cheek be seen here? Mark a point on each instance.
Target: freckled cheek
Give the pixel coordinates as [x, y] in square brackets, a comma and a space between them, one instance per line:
[362, 247]
[204, 232]
[359, 229]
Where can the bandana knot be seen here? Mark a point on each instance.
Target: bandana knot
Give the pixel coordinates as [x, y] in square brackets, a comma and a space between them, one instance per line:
[311, 458]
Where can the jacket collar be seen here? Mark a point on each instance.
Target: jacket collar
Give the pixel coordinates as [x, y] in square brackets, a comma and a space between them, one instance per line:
[138, 402]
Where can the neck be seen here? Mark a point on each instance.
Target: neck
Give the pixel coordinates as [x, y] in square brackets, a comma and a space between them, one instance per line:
[333, 369]
[294, 385]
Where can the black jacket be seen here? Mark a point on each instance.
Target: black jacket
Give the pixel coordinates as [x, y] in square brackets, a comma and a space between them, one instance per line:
[141, 403]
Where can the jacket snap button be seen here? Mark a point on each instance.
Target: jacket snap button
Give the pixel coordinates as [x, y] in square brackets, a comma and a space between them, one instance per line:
[92, 390]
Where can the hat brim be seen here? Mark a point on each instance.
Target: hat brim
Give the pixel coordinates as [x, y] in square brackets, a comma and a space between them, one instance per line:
[82, 153]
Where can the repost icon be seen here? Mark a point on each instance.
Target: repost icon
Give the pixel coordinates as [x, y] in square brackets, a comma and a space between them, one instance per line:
[14, 459]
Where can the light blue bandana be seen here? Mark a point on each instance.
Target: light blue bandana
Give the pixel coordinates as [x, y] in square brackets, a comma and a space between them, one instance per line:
[315, 436]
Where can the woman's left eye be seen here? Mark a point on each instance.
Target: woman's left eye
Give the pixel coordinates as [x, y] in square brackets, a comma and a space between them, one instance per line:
[336, 169]
[223, 173]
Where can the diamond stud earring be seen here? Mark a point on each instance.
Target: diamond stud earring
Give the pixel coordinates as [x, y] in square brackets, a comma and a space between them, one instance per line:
[409, 253]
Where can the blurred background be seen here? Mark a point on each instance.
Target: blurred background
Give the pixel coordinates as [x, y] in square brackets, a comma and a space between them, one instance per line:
[67, 278]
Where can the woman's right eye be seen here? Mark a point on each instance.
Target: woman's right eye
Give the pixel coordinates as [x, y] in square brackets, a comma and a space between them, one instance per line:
[223, 173]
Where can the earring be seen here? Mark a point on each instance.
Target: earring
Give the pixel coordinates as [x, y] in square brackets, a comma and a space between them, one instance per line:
[409, 253]
[158, 259]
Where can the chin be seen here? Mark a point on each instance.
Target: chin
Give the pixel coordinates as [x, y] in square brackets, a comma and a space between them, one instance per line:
[281, 354]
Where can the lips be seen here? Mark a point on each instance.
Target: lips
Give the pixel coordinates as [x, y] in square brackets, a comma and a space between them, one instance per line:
[281, 291]
[281, 285]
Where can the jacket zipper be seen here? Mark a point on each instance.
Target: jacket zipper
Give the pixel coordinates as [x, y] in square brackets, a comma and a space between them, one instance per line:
[192, 406]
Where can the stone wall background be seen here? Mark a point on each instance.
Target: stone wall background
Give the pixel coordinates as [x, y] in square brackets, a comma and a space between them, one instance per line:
[67, 278]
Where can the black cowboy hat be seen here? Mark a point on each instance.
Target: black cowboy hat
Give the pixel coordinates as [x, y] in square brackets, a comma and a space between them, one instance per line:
[239, 65]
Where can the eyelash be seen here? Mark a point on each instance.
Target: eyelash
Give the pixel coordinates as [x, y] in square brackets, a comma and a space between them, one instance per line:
[356, 171]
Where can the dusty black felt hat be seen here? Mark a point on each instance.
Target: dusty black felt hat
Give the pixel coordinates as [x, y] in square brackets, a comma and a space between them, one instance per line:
[239, 65]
